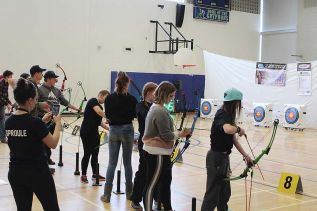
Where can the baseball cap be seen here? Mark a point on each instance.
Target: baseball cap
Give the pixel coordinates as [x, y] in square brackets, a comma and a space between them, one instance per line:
[232, 94]
[50, 74]
[36, 69]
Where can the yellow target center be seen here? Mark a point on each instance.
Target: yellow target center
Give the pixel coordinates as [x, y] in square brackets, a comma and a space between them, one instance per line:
[257, 114]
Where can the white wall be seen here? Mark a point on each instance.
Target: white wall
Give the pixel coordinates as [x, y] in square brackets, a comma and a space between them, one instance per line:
[279, 47]
[279, 30]
[88, 37]
[307, 32]
[289, 29]
[279, 14]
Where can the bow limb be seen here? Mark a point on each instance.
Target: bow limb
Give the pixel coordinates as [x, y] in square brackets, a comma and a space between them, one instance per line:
[184, 112]
[268, 148]
[69, 90]
[182, 122]
[258, 158]
[65, 77]
[187, 141]
[80, 108]
[241, 176]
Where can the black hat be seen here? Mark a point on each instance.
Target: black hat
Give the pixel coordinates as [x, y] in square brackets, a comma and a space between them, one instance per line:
[50, 74]
[36, 69]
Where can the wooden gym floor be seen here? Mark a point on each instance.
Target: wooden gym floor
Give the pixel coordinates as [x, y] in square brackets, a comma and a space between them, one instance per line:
[292, 151]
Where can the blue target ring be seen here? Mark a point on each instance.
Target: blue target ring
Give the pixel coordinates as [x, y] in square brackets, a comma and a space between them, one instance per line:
[291, 115]
[259, 114]
[205, 108]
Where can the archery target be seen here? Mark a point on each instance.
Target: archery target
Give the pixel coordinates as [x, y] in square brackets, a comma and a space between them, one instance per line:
[262, 114]
[208, 108]
[259, 114]
[291, 115]
[294, 116]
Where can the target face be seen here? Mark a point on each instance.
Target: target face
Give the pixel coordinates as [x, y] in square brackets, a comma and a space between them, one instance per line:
[291, 115]
[259, 114]
[206, 108]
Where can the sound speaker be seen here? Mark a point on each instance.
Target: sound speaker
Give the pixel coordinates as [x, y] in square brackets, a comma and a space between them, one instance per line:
[180, 11]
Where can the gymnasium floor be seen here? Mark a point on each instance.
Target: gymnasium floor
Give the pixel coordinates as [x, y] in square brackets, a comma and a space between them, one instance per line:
[292, 151]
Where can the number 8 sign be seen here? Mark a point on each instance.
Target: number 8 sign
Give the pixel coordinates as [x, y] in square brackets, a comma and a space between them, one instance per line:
[290, 183]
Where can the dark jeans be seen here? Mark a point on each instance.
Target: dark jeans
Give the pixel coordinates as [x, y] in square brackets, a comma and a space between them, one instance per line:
[218, 191]
[28, 179]
[158, 171]
[91, 143]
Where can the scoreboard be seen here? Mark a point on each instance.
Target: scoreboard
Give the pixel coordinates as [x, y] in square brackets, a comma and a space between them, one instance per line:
[220, 4]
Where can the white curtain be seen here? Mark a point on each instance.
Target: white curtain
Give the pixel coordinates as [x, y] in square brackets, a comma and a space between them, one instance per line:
[223, 73]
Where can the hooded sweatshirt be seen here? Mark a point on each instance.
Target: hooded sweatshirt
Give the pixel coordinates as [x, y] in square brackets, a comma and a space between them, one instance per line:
[159, 133]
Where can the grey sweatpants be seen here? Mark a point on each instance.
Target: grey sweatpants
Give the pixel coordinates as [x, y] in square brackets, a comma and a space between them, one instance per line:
[218, 191]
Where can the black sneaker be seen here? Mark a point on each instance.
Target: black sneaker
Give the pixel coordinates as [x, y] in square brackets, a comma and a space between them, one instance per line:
[50, 162]
[52, 170]
[101, 178]
[4, 142]
[136, 206]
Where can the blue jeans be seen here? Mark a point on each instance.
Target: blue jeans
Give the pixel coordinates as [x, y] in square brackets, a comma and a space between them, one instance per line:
[120, 134]
[2, 125]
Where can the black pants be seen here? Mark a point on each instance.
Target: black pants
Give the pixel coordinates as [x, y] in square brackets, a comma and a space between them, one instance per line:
[218, 191]
[28, 179]
[158, 170]
[91, 142]
[51, 128]
[140, 175]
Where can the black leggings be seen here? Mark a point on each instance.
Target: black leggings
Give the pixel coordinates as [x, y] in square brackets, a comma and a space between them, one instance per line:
[158, 172]
[51, 128]
[91, 148]
[28, 179]
[140, 176]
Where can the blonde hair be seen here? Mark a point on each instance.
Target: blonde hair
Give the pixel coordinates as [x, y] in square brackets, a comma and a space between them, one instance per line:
[104, 92]
[164, 89]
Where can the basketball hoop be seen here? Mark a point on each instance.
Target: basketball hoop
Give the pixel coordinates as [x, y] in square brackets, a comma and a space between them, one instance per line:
[185, 57]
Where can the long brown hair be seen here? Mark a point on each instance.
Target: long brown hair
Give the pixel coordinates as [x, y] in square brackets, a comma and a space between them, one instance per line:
[122, 81]
[233, 108]
[164, 89]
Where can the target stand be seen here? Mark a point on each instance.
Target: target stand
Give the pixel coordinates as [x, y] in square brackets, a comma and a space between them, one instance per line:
[208, 108]
[262, 114]
[294, 116]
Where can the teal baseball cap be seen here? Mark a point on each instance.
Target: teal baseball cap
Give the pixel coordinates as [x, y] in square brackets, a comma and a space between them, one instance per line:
[232, 94]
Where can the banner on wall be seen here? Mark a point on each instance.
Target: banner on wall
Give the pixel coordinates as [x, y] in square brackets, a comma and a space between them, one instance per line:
[272, 74]
[304, 79]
